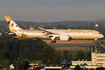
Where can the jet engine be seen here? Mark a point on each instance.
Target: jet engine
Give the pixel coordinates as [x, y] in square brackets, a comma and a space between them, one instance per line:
[65, 37]
[61, 37]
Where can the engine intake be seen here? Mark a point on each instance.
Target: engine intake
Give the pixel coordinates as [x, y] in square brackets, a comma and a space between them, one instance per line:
[65, 37]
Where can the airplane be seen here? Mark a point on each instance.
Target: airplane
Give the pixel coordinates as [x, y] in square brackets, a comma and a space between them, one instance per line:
[53, 34]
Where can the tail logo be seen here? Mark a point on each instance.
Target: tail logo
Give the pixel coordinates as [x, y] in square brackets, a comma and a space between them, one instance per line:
[12, 25]
[8, 22]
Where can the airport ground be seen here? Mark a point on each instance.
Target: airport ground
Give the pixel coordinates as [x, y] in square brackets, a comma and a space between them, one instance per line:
[77, 44]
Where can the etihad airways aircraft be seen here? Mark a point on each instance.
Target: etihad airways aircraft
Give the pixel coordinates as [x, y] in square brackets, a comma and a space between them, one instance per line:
[53, 34]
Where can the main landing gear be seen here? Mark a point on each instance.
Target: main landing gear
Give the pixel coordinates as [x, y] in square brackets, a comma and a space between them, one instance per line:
[53, 41]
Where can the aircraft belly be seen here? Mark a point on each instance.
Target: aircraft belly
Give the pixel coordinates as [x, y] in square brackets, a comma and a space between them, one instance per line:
[36, 36]
[83, 36]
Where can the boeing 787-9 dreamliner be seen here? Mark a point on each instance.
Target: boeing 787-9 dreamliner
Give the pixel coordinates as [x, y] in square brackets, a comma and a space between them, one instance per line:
[53, 34]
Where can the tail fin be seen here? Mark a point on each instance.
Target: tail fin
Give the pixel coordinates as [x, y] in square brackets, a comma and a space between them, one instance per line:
[12, 25]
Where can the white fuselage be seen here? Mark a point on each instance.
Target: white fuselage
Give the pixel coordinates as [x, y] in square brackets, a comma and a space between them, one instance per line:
[73, 33]
[54, 34]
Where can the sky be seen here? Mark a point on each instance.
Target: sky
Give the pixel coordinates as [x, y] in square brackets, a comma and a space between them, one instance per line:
[52, 10]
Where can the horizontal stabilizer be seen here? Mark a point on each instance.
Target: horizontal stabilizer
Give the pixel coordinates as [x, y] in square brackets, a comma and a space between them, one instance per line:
[10, 33]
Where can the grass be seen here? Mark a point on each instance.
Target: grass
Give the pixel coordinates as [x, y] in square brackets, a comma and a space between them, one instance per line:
[68, 45]
[103, 46]
[79, 46]
[35, 61]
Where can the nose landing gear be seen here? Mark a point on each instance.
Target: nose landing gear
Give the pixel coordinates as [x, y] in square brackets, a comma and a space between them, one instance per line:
[53, 41]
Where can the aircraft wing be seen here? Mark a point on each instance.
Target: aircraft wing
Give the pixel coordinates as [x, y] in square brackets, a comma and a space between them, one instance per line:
[48, 33]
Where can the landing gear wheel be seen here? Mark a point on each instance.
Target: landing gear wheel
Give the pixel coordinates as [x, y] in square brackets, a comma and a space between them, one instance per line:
[53, 41]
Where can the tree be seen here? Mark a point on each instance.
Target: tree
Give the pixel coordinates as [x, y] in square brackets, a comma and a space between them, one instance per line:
[60, 26]
[88, 55]
[80, 55]
[69, 58]
[77, 67]
[66, 55]
[100, 68]
[92, 24]
[11, 48]
[4, 63]
[49, 55]
[21, 63]
[46, 54]
[2, 54]
[57, 57]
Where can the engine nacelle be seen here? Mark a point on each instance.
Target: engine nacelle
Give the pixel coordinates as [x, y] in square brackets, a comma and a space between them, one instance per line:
[65, 37]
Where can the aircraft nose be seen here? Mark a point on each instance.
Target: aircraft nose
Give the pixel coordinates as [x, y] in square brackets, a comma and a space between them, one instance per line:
[102, 36]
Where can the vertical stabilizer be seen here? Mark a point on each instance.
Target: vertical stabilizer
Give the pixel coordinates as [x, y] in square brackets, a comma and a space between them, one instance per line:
[11, 24]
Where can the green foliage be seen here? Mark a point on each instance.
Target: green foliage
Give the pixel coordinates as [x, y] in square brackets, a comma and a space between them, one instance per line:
[77, 67]
[84, 64]
[57, 58]
[35, 61]
[92, 24]
[60, 26]
[49, 55]
[11, 48]
[100, 68]
[3, 29]
[66, 55]
[2, 53]
[21, 63]
[4, 63]
[46, 54]
[82, 55]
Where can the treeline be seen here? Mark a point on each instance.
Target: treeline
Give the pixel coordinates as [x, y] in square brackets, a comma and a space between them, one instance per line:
[68, 23]
[11, 48]
[49, 55]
